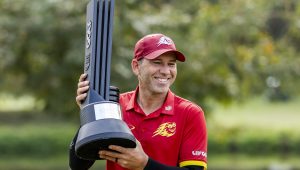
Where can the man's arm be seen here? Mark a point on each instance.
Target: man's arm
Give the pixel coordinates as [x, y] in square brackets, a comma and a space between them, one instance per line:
[152, 164]
[137, 159]
[75, 162]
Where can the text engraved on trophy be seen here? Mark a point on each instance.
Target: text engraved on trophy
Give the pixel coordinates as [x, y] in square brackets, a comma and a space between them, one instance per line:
[87, 62]
[88, 34]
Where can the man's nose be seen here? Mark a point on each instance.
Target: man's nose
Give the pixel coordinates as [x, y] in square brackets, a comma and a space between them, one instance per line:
[164, 69]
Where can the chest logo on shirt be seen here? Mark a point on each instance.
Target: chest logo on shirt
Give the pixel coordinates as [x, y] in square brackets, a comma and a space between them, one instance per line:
[131, 127]
[166, 129]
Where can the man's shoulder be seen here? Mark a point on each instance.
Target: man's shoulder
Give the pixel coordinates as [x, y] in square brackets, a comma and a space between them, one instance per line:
[183, 103]
[126, 95]
[129, 93]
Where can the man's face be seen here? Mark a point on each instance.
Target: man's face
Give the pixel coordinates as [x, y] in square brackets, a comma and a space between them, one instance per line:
[157, 75]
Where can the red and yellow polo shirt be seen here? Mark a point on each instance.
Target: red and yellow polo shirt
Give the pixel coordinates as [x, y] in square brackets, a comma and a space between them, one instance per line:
[174, 135]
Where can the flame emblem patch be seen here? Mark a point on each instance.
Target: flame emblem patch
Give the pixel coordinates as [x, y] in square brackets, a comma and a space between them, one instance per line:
[166, 129]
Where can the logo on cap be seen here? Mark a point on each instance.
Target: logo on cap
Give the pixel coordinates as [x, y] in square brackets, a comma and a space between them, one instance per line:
[164, 40]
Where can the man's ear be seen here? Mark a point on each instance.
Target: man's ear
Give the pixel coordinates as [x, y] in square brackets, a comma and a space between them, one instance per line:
[135, 66]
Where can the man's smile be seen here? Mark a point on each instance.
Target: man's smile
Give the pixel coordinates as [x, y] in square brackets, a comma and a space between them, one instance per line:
[162, 80]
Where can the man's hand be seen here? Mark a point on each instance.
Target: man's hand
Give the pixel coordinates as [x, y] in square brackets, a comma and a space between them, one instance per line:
[83, 87]
[130, 158]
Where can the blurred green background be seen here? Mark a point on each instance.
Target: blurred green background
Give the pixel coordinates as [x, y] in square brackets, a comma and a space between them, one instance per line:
[242, 68]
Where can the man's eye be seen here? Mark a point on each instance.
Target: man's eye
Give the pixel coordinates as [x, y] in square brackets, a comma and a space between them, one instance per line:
[156, 62]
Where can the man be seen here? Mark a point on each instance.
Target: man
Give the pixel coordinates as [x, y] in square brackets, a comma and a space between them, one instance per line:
[170, 131]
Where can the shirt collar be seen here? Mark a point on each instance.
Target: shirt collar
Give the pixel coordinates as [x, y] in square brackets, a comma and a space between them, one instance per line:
[167, 107]
[132, 100]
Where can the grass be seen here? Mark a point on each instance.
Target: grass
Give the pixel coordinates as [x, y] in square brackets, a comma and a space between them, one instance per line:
[260, 118]
[259, 114]
[57, 162]
[246, 162]
[215, 162]
[60, 133]
[34, 163]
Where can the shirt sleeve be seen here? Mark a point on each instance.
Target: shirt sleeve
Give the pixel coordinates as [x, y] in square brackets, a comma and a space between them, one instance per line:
[76, 163]
[152, 164]
[193, 150]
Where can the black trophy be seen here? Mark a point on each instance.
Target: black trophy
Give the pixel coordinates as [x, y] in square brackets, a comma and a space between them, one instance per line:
[100, 115]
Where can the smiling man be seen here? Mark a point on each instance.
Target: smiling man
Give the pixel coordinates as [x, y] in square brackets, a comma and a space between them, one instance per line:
[170, 131]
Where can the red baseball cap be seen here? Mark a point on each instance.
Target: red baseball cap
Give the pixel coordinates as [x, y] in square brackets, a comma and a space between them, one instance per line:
[153, 45]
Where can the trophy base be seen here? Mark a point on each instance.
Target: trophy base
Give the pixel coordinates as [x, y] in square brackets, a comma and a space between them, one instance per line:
[98, 135]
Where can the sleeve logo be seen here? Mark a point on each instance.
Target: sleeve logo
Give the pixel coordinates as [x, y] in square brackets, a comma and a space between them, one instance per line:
[199, 153]
[166, 129]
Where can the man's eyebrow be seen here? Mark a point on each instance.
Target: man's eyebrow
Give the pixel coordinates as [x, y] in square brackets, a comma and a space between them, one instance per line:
[159, 59]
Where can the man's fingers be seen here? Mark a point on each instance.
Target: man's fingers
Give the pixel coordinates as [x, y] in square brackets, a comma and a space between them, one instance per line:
[117, 148]
[82, 77]
[83, 87]
[113, 159]
[83, 83]
[82, 90]
[80, 98]
[138, 143]
[108, 155]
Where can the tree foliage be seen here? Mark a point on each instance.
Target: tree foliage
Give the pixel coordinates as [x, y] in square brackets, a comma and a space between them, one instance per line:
[234, 49]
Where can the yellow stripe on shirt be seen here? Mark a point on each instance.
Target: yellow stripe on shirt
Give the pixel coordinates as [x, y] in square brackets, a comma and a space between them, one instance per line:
[197, 163]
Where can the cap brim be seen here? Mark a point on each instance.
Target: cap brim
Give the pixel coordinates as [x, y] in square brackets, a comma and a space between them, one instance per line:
[157, 53]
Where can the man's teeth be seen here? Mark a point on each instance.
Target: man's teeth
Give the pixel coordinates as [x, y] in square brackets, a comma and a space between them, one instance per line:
[162, 80]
